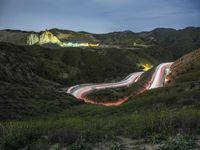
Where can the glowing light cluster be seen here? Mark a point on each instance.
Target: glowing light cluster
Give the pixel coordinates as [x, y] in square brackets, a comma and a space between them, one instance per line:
[146, 67]
[70, 44]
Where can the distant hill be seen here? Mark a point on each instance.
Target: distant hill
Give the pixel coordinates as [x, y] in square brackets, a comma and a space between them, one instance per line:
[175, 43]
[178, 42]
[14, 36]
[72, 36]
[124, 38]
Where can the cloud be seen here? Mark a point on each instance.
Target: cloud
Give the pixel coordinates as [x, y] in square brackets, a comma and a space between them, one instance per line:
[111, 2]
[98, 15]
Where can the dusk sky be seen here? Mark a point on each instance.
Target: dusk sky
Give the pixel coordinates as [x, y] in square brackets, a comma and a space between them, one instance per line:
[98, 16]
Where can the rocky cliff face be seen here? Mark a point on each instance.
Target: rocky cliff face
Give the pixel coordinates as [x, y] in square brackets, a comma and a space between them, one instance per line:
[48, 37]
[32, 39]
[186, 63]
[44, 38]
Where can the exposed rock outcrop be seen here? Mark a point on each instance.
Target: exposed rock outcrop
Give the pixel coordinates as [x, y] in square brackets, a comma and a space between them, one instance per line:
[44, 38]
[32, 39]
[48, 37]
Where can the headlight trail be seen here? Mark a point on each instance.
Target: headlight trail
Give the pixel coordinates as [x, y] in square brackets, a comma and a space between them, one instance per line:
[157, 80]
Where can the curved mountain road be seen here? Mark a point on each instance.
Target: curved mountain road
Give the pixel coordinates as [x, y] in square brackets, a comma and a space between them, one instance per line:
[157, 80]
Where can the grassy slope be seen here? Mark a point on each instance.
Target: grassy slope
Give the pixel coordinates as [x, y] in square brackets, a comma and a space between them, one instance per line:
[21, 102]
[154, 115]
[189, 76]
[163, 112]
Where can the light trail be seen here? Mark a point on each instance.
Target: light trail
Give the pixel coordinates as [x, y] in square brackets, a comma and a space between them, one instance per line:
[157, 80]
[159, 75]
[82, 89]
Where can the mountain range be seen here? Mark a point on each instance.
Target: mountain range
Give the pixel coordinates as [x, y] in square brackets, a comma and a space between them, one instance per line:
[37, 68]
[173, 42]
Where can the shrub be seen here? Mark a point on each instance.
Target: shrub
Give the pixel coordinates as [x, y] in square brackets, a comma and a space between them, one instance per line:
[178, 142]
[63, 136]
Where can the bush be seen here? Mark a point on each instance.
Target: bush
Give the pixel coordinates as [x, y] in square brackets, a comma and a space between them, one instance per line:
[179, 143]
[63, 136]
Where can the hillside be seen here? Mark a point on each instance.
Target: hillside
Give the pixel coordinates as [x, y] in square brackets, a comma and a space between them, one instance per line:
[14, 36]
[38, 115]
[178, 42]
[174, 43]
[188, 64]
[68, 66]
[29, 73]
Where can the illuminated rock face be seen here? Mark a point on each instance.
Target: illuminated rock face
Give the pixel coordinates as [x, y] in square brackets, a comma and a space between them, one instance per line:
[46, 37]
[32, 39]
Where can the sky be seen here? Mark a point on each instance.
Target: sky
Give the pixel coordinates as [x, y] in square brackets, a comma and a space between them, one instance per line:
[98, 16]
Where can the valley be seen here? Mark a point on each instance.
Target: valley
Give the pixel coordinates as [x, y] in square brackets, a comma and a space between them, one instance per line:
[99, 75]
[55, 97]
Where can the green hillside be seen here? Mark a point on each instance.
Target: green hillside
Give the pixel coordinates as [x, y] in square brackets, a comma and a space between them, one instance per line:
[68, 66]
[166, 117]
[37, 114]
[178, 42]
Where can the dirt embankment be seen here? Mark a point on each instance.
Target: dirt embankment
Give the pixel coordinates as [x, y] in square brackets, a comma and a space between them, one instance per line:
[185, 64]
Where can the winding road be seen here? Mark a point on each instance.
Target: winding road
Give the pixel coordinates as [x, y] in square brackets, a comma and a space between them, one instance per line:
[158, 79]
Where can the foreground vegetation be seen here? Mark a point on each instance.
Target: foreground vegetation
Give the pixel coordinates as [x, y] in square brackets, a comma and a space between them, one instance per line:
[153, 117]
[21, 102]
